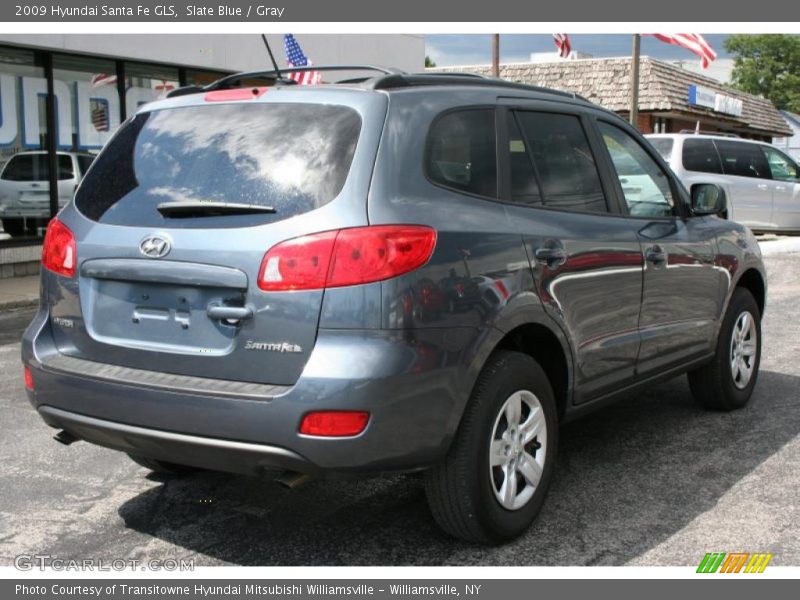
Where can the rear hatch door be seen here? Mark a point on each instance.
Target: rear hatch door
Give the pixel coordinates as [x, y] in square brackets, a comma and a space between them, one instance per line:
[168, 271]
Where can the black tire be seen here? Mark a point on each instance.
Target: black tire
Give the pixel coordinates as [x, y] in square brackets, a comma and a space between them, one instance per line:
[713, 385]
[14, 227]
[460, 490]
[162, 467]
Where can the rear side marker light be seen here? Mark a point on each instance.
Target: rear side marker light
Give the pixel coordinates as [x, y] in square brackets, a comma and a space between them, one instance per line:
[248, 93]
[345, 257]
[28, 376]
[58, 250]
[334, 423]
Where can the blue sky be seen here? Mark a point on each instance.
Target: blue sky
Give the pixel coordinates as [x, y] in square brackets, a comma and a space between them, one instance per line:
[467, 49]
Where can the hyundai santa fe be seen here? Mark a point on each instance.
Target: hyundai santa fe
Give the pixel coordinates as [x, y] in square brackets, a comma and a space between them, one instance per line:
[396, 273]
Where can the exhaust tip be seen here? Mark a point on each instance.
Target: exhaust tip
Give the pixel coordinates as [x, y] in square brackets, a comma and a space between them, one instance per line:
[292, 479]
[65, 437]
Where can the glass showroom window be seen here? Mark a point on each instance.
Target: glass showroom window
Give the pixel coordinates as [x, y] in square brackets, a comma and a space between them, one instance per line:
[196, 77]
[88, 102]
[24, 173]
[145, 83]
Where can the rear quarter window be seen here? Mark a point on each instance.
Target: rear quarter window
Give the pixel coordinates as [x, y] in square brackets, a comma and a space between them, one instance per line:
[461, 152]
[294, 157]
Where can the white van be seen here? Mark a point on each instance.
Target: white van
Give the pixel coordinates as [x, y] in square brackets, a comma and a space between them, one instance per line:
[760, 181]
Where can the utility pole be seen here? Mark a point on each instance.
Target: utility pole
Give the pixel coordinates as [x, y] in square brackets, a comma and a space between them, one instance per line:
[495, 55]
[635, 79]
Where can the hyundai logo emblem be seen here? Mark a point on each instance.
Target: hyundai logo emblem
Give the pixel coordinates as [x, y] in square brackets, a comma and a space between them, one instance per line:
[154, 246]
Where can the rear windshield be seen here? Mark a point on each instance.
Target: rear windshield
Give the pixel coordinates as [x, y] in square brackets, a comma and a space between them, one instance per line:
[35, 167]
[663, 146]
[291, 157]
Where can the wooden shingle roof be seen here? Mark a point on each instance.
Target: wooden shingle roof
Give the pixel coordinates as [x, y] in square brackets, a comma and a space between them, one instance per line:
[662, 87]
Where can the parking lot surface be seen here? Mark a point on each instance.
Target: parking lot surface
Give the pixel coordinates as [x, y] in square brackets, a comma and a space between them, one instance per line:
[651, 480]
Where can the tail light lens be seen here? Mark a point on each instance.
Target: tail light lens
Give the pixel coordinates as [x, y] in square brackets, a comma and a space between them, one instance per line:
[334, 423]
[346, 257]
[58, 252]
[28, 377]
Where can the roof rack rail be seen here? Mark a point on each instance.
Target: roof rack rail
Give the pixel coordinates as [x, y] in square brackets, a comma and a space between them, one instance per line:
[702, 132]
[402, 80]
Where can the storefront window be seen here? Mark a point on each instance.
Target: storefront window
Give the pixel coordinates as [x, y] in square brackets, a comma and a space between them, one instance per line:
[24, 185]
[87, 109]
[88, 89]
[145, 83]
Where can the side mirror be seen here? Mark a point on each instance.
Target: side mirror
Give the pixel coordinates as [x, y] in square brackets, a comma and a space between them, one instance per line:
[708, 199]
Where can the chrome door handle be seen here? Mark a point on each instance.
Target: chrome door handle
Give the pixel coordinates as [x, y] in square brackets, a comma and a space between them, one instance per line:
[655, 255]
[550, 256]
[763, 186]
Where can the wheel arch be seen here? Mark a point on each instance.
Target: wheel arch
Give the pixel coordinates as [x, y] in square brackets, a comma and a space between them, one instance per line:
[753, 281]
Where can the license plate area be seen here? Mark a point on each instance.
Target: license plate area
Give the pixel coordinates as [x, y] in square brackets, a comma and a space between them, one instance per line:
[161, 317]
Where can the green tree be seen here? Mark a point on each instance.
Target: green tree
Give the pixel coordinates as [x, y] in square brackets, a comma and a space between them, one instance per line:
[429, 62]
[767, 65]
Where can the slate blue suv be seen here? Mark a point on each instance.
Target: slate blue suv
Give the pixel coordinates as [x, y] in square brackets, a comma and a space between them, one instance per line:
[392, 273]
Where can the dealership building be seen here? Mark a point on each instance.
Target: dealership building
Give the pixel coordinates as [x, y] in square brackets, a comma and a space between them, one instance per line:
[71, 91]
[671, 99]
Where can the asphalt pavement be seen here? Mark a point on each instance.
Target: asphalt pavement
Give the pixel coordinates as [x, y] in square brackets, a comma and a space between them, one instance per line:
[651, 480]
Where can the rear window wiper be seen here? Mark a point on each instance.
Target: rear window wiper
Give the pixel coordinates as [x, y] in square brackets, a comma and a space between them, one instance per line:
[211, 209]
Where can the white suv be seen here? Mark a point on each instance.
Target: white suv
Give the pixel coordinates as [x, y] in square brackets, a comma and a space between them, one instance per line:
[760, 181]
[25, 187]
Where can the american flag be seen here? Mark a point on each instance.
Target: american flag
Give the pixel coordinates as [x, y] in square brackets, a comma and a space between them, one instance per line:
[296, 58]
[99, 115]
[693, 42]
[563, 45]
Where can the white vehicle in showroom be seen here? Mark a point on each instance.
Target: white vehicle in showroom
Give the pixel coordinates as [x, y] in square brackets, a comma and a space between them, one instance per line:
[25, 187]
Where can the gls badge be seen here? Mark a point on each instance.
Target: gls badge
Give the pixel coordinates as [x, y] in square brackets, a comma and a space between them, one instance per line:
[155, 246]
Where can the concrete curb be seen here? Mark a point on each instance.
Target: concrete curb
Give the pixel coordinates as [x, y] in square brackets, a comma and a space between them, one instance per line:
[21, 303]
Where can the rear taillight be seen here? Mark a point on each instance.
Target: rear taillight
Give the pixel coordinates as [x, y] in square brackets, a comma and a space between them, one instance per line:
[58, 252]
[346, 257]
[334, 423]
[28, 377]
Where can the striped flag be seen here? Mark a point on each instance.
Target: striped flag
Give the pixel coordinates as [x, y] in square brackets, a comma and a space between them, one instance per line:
[99, 79]
[99, 112]
[693, 42]
[296, 58]
[562, 43]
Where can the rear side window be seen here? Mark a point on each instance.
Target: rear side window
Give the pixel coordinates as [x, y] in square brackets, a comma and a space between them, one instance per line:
[743, 159]
[701, 155]
[462, 152]
[663, 146]
[563, 161]
[291, 157]
[35, 167]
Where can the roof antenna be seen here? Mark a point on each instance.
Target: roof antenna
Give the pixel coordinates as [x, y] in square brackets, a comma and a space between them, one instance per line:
[272, 57]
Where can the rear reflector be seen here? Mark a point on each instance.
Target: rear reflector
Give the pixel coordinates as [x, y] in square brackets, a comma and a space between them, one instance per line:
[235, 94]
[26, 373]
[346, 257]
[58, 250]
[334, 423]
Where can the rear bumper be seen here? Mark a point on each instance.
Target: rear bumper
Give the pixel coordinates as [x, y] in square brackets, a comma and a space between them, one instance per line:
[413, 390]
[210, 453]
